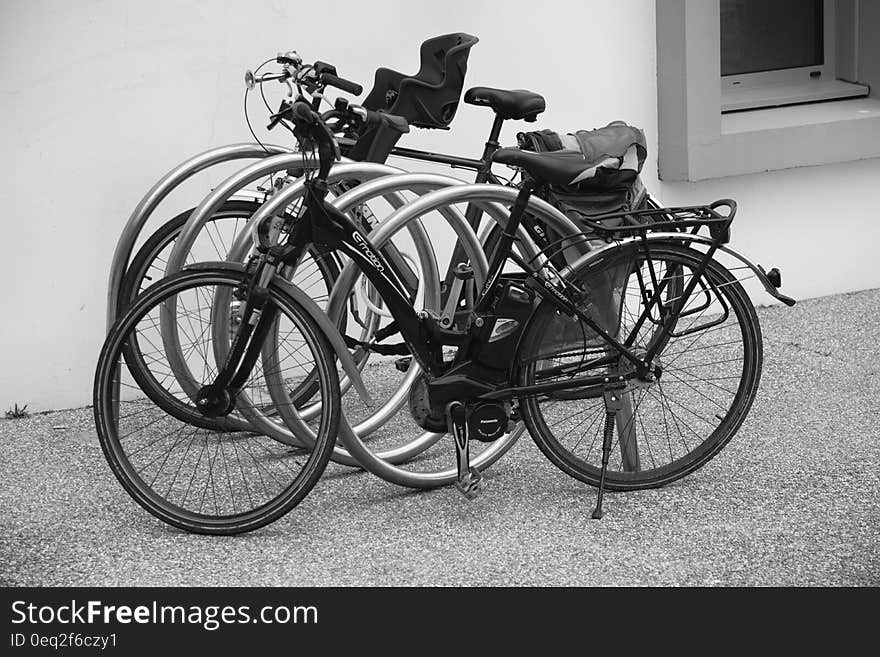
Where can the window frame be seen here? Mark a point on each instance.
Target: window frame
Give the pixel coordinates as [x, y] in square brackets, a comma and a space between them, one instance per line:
[698, 142]
[789, 86]
[794, 74]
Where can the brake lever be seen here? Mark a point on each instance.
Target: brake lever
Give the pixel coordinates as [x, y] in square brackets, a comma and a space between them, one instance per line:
[275, 119]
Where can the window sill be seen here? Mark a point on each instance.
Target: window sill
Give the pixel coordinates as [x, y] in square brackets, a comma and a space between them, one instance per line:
[796, 136]
[697, 142]
[777, 95]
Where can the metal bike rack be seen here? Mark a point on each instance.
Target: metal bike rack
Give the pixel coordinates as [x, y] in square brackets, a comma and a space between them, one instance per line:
[355, 171]
[168, 183]
[490, 199]
[387, 187]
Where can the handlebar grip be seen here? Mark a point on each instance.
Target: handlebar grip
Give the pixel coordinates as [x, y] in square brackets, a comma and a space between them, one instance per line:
[347, 86]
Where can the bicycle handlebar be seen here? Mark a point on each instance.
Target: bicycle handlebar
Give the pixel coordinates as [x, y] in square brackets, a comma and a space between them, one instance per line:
[349, 87]
[315, 76]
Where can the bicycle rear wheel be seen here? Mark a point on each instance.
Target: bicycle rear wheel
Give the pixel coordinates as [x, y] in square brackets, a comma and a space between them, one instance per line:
[710, 368]
[203, 479]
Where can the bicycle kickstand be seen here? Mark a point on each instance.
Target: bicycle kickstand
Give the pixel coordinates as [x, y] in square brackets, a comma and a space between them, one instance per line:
[470, 482]
[612, 405]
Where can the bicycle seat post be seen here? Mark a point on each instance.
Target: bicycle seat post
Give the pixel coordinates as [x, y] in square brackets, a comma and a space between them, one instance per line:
[491, 146]
[473, 214]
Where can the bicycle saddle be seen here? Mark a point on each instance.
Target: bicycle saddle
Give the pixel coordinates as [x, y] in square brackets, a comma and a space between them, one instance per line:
[508, 104]
[554, 167]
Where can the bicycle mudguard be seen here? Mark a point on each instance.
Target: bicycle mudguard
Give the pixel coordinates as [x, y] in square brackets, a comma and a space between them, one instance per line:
[327, 327]
[763, 276]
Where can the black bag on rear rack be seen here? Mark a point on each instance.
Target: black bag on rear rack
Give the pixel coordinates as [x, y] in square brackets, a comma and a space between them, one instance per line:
[615, 153]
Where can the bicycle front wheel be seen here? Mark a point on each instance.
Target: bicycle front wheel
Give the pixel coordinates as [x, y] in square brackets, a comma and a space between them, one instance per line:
[710, 367]
[207, 479]
[315, 276]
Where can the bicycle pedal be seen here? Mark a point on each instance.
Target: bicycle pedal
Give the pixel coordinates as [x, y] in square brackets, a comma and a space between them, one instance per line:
[472, 484]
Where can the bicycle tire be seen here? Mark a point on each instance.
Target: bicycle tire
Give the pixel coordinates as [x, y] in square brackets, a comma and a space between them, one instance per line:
[147, 266]
[652, 403]
[111, 418]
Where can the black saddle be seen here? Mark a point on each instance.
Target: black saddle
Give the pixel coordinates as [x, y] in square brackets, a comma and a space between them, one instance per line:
[508, 104]
[554, 168]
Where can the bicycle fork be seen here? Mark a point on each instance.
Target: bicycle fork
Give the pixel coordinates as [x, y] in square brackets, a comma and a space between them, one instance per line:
[218, 398]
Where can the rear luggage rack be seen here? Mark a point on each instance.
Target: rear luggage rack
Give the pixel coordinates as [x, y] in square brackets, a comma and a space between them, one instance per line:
[641, 222]
[678, 219]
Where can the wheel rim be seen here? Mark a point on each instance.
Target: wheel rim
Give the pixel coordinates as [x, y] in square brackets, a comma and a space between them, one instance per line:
[674, 425]
[248, 479]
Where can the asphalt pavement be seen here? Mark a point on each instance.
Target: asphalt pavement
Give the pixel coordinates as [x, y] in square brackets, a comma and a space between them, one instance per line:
[793, 500]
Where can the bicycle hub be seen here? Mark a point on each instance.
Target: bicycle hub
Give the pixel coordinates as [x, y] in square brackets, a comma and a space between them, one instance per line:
[213, 402]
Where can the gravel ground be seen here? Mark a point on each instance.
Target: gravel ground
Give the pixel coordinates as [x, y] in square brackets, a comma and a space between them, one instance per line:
[793, 500]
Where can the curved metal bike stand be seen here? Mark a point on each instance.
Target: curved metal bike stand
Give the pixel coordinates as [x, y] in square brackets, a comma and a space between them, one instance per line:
[383, 464]
[491, 199]
[211, 203]
[388, 188]
[169, 182]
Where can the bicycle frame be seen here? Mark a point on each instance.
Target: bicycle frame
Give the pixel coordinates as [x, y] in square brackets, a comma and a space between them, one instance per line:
[483, 167]
[325, 226]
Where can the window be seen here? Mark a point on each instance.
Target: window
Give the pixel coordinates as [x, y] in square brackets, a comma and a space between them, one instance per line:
[700, 139]
[780, 52]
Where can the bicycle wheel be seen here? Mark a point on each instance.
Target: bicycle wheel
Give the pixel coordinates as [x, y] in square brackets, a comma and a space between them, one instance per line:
[195, 478]
[710, 368]
[315, 276]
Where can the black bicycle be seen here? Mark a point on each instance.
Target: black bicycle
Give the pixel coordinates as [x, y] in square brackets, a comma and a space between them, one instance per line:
[649, 324]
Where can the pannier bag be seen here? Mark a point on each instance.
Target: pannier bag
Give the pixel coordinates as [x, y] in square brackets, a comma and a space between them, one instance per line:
[611, 183]
[615, 153]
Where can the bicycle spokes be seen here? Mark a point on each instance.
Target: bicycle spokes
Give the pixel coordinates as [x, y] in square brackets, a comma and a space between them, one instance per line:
[673, 416]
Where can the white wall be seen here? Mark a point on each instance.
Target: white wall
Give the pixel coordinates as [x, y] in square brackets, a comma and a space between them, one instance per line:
[102, 97]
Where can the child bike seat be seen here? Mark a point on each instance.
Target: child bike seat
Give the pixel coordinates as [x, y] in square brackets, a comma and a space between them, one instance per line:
[429, 98]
